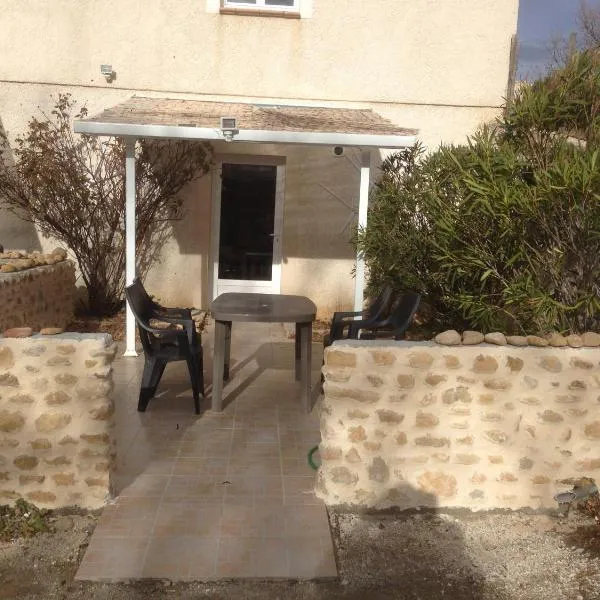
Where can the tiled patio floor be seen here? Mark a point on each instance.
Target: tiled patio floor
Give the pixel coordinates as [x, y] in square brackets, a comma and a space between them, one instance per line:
[217, 495]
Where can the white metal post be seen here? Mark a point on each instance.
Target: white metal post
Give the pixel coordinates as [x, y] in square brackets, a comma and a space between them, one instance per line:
[130, 238]
[363, 205]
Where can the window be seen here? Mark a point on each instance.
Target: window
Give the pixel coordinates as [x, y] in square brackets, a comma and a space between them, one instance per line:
[264, 5]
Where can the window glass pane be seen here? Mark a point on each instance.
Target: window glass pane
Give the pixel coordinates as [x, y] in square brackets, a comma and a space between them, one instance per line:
[241, 2]
[279, 3]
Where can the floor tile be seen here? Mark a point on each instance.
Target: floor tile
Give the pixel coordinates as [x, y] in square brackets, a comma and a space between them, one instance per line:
[266, 487]
[110, 559]
[146, 486]
[207, 490]
[198, 466]
[128, 517]
[311, 557]
[299, 490]
[265, 519]
[252, 557]
[181, 557]
[187, 519]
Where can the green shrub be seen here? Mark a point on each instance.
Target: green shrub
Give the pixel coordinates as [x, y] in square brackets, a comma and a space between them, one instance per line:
[503, 232]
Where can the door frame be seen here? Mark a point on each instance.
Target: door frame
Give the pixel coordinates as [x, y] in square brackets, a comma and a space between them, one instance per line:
[274, 286]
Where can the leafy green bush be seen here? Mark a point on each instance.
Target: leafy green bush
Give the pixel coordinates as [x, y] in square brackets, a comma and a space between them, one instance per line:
[503, 232]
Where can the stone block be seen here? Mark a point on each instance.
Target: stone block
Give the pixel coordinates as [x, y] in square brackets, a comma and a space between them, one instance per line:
[52, 421]
[442, 485]
[11, 422]
[485, 364]
[383, 358]
[339, 358]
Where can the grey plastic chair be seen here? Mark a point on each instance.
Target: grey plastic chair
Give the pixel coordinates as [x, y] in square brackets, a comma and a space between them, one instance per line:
[376, 311]
[395, 325]
[162, 346]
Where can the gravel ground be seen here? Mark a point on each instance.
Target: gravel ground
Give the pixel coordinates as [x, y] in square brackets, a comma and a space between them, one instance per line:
[458, 555]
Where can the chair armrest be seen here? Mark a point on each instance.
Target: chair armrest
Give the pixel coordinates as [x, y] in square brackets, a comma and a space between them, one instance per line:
[338, 316]
[188, 326]
[355, 327]
[175, 313]
[162, 333]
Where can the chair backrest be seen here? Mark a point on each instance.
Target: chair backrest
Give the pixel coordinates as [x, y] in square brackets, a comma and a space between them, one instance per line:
[380, 306]
[403, 313]
[141, 307]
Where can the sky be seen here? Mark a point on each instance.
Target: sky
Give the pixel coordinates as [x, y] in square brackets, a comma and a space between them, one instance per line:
[541, 21]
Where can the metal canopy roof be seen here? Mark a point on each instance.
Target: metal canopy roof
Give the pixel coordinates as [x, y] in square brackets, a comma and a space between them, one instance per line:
[144, 117]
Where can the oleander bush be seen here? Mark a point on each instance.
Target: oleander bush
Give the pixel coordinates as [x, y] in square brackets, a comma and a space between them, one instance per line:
[504, 231]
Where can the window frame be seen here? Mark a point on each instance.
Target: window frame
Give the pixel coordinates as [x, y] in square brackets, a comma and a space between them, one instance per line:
[260, 6]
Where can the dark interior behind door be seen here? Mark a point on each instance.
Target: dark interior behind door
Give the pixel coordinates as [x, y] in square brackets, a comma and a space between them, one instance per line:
[247, 222]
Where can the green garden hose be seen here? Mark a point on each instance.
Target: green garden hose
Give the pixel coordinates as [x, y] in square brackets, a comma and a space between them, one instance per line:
[310, 457]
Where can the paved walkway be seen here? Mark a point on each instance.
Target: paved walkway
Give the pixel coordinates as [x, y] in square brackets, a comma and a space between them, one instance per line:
[217, 495]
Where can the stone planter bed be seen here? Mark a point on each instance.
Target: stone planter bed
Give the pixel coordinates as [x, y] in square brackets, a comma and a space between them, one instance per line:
[479, 426]
[36, 290]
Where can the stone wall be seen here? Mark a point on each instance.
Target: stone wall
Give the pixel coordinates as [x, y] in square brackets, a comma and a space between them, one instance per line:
[55, 419]
[407, 424]
[38, 297]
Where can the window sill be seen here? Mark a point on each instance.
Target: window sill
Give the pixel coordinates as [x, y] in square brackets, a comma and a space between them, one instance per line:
[253, 12]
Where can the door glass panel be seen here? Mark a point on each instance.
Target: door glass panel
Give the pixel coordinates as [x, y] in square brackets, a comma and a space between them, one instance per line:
[247, 222]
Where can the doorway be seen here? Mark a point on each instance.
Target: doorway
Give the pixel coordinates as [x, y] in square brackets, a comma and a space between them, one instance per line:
[247, 222]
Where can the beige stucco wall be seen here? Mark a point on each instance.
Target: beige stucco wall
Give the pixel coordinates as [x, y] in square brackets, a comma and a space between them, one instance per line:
[417, 424]
[413, 62]
[56, 419]
[421, 51]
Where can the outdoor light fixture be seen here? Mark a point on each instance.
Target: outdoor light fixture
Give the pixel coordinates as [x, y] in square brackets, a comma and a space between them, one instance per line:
[108, 72]
[229, 128]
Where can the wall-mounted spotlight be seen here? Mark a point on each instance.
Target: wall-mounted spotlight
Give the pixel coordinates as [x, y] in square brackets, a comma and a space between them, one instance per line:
[108, 72]
[229, 128]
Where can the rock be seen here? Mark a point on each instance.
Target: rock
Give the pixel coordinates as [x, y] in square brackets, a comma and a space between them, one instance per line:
[557, 340]
[452, 362]
[591, 339]
[536, 340]
[60, 253]
[551, 363]
[343, 475]
[11, 421]
[8, 268]
[438, 483]
[6, 358]
[514, 364]
[338, 358]
[517, 340]
[420, 360]
[51, 330]
[451, 337]
[378, 470]
[405, 382]
[574, 341]
[64, 523]
[497, 338]
[485, 364]
[470, 338]
[18, 332]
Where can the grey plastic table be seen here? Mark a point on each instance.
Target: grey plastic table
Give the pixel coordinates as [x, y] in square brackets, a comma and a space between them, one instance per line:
[261, 308]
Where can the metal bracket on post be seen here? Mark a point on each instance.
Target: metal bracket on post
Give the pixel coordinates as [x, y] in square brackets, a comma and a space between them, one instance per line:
[130, 239]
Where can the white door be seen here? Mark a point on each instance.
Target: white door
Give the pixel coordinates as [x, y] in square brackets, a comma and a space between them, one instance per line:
[246, 225]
